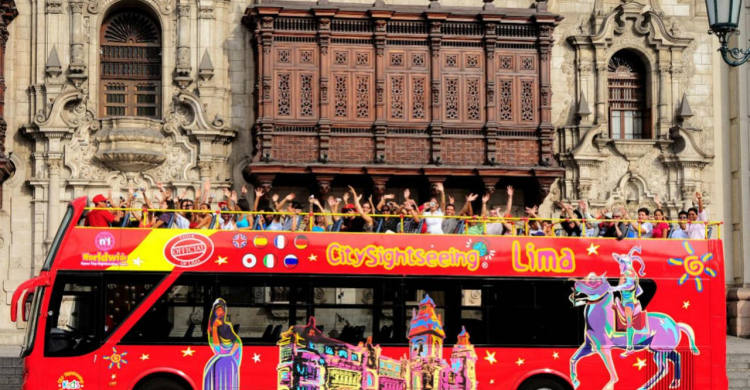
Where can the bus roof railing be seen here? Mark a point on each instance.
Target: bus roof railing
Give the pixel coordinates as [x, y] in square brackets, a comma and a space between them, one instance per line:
[517, 222]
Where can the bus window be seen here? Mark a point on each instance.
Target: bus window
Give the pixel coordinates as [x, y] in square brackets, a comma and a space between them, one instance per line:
[123, 293]
[534, 313]
[262, 308]
[472, 316]
[73, 316]
[344, 313]
[179, 315]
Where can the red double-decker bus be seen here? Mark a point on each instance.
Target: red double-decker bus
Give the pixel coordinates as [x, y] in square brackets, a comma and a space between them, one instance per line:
[176, 309]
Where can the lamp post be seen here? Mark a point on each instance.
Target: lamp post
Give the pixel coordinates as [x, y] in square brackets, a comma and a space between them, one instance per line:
[723, 17]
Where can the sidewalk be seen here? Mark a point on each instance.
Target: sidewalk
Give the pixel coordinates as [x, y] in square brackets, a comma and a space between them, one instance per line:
[736, 345]
[11, 351]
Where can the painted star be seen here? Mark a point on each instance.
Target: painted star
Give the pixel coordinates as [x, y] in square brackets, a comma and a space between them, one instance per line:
[640, 363]
[144, 356]
[256, 358]
[187, 352]
[222, 260]
[114, 376]
[555, 355]
[313, 258]
[520, 361]
[685, 305]
[490, 357]
[492, 381]
[593, 249]
[137, 261]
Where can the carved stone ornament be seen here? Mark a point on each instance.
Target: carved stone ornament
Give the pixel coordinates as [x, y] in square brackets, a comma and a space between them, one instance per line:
[166, 7]
[130, 144]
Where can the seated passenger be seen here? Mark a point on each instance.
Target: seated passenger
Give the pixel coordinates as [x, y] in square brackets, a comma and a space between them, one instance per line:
[681, 231]
[101, 218]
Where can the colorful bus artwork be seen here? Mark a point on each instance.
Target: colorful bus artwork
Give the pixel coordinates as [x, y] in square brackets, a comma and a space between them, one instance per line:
[169, 309]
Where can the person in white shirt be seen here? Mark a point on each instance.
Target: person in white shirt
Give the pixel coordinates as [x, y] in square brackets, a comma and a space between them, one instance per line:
[646, 228]
[181, 219]
[681, 230]
[506, 227]
[697, 229]
[432, 208]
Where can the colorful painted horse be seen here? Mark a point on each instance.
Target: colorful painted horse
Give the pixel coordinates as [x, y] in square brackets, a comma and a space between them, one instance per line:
[601, 338]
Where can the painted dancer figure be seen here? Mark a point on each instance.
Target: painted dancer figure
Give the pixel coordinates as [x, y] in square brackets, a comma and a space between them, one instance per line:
[629, 289]
[222, 372]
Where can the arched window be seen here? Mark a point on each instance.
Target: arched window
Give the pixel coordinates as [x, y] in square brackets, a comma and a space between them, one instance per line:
[628, 116]
[130, 65]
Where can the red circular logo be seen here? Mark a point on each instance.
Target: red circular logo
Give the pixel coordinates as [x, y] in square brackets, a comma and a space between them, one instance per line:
[188, 250]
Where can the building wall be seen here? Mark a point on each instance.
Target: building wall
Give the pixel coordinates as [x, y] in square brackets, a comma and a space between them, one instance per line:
[52, 124]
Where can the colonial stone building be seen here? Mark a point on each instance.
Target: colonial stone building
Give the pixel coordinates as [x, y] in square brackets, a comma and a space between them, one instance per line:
[615, 102]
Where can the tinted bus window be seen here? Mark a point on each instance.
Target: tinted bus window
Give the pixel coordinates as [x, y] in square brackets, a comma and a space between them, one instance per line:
[178, 315]
[122, 294]
[74, 316]
[534, 313]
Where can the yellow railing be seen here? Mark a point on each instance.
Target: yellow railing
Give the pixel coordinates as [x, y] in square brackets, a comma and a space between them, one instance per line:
[517, 223]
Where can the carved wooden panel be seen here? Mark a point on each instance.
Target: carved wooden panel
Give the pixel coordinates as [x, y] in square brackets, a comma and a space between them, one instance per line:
[408, 85]
[517, 88]
[358, 115]
[463, 86]
[295, 83]
[130, 65]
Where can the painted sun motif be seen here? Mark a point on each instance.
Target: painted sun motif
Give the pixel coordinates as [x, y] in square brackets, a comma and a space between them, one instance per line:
[116, 359]
[695, 266]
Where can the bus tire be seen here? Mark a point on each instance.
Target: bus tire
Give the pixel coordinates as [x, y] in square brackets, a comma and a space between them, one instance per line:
[543, 384]
[161, 384]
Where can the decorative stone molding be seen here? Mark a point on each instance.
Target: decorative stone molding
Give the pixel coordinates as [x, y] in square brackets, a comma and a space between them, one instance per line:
[130, 144]
[165, 7]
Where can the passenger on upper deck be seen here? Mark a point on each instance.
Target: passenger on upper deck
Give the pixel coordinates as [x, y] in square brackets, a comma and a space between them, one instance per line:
[697, 229]
[435, 209]
[681, 231]
[102, 218]
[352, 222]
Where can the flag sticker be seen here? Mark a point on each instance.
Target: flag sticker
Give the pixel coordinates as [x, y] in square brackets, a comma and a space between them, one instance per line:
[280, 242]
[269, 261]
[249, 260]
[260, 241]
[290, 261]
[301, 242]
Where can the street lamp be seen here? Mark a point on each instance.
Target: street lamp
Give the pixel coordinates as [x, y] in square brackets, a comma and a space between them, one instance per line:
[723, 17]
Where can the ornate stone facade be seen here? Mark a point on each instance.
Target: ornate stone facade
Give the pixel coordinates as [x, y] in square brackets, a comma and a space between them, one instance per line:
[63, 144]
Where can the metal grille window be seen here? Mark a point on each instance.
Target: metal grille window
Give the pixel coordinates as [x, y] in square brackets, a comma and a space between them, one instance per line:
[627, 97]
[130, 65]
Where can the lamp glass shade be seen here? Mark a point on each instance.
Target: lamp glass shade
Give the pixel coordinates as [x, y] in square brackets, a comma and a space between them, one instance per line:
[723, 15]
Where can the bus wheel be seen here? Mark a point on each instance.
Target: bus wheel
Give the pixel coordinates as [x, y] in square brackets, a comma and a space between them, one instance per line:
[162, 384]
[543, 384]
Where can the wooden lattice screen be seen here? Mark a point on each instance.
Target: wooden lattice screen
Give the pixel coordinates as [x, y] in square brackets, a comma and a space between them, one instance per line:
[130, 66]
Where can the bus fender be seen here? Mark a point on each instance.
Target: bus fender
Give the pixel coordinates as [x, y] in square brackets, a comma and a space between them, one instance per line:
[161, 370]
[542, 371]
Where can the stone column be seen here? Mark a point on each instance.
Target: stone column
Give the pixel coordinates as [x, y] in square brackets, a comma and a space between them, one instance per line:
[601, 92]
[664, 88]
[54, 163]
[77, 73]
[183, 68]
[6, 168]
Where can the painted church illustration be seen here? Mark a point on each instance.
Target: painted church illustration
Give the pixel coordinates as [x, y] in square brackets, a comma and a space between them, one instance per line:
[309, 360]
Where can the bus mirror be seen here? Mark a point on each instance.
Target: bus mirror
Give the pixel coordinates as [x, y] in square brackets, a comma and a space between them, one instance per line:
[28, 298]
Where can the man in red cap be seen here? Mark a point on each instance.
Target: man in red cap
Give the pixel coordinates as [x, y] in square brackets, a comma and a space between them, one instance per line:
[100, 218]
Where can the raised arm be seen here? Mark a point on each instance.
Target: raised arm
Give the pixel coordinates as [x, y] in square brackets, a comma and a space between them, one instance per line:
[439, 187]
[485, 199]
[699, 196]
[367, 218]
[509, 205]
[287, 198]
[466, 210]
[258, 195]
